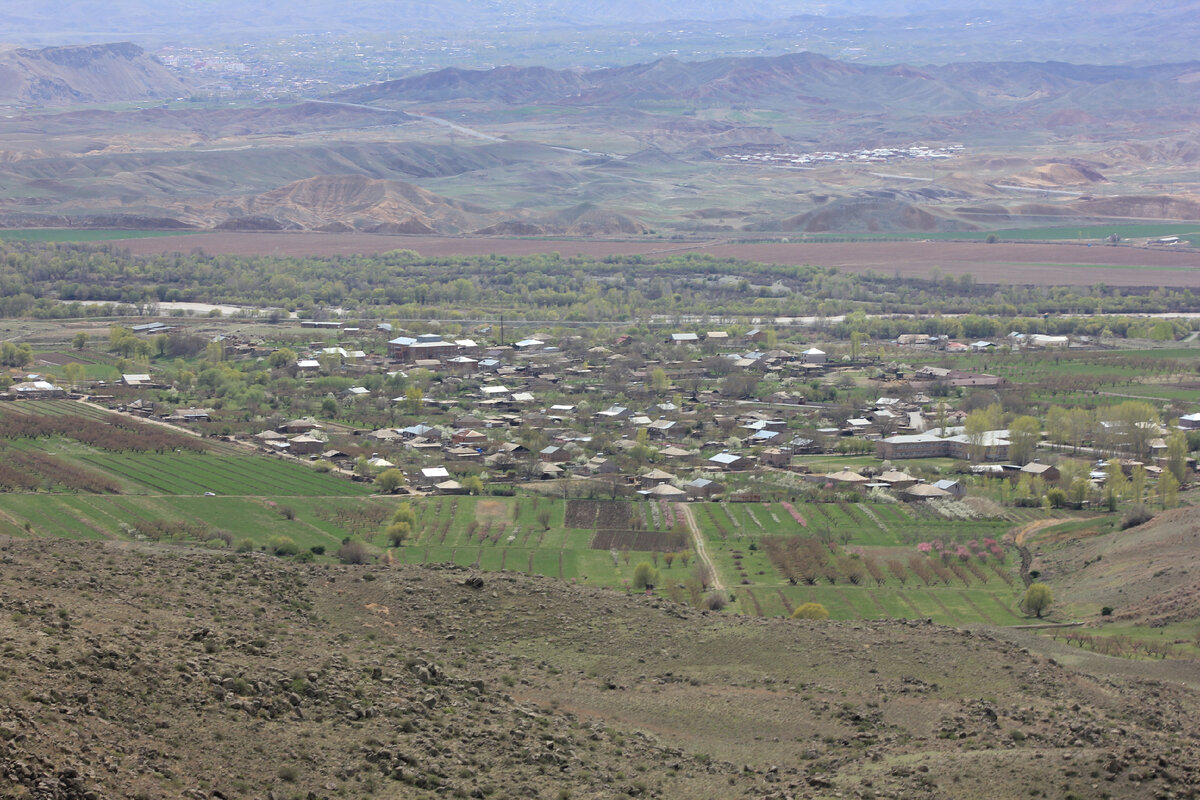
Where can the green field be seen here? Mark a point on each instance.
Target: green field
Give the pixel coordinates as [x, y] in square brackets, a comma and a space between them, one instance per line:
[81, 235]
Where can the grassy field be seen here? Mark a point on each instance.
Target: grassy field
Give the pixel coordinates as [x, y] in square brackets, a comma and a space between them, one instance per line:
[80, 235]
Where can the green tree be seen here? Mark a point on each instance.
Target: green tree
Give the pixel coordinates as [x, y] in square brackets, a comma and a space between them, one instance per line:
[281, 357]
[398, 533]
[473, 484]
[1177, 453]
[645, 576]
[1168, 489]
[73, 372]
[1023, 433]
[405, 513]
[856, 340]
[1037, 599]
[80, 341]
[658, 379]
[389, 480]
[810, 611]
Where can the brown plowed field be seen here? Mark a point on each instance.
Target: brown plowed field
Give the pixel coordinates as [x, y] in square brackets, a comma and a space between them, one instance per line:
[1006, 263]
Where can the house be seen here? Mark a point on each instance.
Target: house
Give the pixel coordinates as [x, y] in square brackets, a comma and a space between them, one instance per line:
[922, 492]
[37, 390]
[847, 477]
[385, 435]
[1046, 472]
[136, 379]
[774, 457]
[356, 393]
[729, 462]
[449, 487]
[599, 465]
[897, 480]
[431, 476]
[613, 413]
[990, 446]
[468, 437]
[554, 454]
[655, 477]
[527, 345]
[1190, 422]
[683, 338]
[304, 444]
[814, 356]
[665, 491]
[703, 488]
[662, 428]
[298, 426]
[953, 488]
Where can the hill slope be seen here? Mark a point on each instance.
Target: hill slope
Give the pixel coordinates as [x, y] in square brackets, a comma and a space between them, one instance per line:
[102, 73]
[131, 670]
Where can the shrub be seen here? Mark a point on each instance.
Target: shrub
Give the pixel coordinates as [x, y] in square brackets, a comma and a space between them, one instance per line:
[810, 611]
[1135, 516]
[1038, 598]
[354, 551]
[245, 546]
[398, 533]
[317, 549]
[390, 480]
[645, 576]
[282, 546]
[1106, 611]
[715, 601]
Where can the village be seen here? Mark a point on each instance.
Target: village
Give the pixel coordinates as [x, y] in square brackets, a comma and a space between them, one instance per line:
[741, 414]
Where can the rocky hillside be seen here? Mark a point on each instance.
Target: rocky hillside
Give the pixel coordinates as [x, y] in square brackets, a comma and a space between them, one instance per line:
[130, 671]
[102, 73]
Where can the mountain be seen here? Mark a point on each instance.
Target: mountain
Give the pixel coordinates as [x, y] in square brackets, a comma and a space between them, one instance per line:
[84, 74]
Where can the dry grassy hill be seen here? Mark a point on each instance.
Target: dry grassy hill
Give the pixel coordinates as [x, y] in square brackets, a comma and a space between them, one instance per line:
[102, 73]
[131, 671]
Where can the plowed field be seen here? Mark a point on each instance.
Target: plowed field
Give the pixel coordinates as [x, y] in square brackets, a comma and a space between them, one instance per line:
[1032, 263]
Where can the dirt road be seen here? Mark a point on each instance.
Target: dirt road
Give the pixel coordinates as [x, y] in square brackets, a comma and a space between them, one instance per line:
[698, 545]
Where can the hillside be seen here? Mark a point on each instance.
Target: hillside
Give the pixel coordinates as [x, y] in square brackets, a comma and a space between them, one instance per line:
[137, 670]
[1148, 575]
[84, 74]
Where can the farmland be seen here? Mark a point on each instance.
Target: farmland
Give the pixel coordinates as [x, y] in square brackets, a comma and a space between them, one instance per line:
[1024, 262]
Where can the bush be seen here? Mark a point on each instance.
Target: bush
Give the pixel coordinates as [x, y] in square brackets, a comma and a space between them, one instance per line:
[390, 480]
[354, 551]
[645, 576]
[810, 611]
[715, 601]
[1135, 516]
[317, 549]
[398, 533]
[245, 546]
[1038, 598]
[1106, 611]
[282, 546]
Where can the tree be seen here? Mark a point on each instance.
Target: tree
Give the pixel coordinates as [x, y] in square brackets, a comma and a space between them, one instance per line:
[1177, 451]
[1038, 598]
[398, 533]
[405, 513]
[658, 379]
[80, 341]
[856, 340]
[1024, 433]
[73, 372]
[281, 357]
[810, 611]
[473, 484]
[1168, 489]
[389, 480]
[645, 576]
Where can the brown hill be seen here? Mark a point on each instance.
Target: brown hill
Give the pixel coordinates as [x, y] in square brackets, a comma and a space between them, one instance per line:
[102, 73]
[1149, 574]
[348, 202]
[148, 671]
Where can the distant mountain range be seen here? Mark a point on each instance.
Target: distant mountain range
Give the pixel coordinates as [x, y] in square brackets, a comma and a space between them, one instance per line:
[1013, 94]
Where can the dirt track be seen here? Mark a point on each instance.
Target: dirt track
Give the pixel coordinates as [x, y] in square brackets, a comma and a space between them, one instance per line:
[1004, 263]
